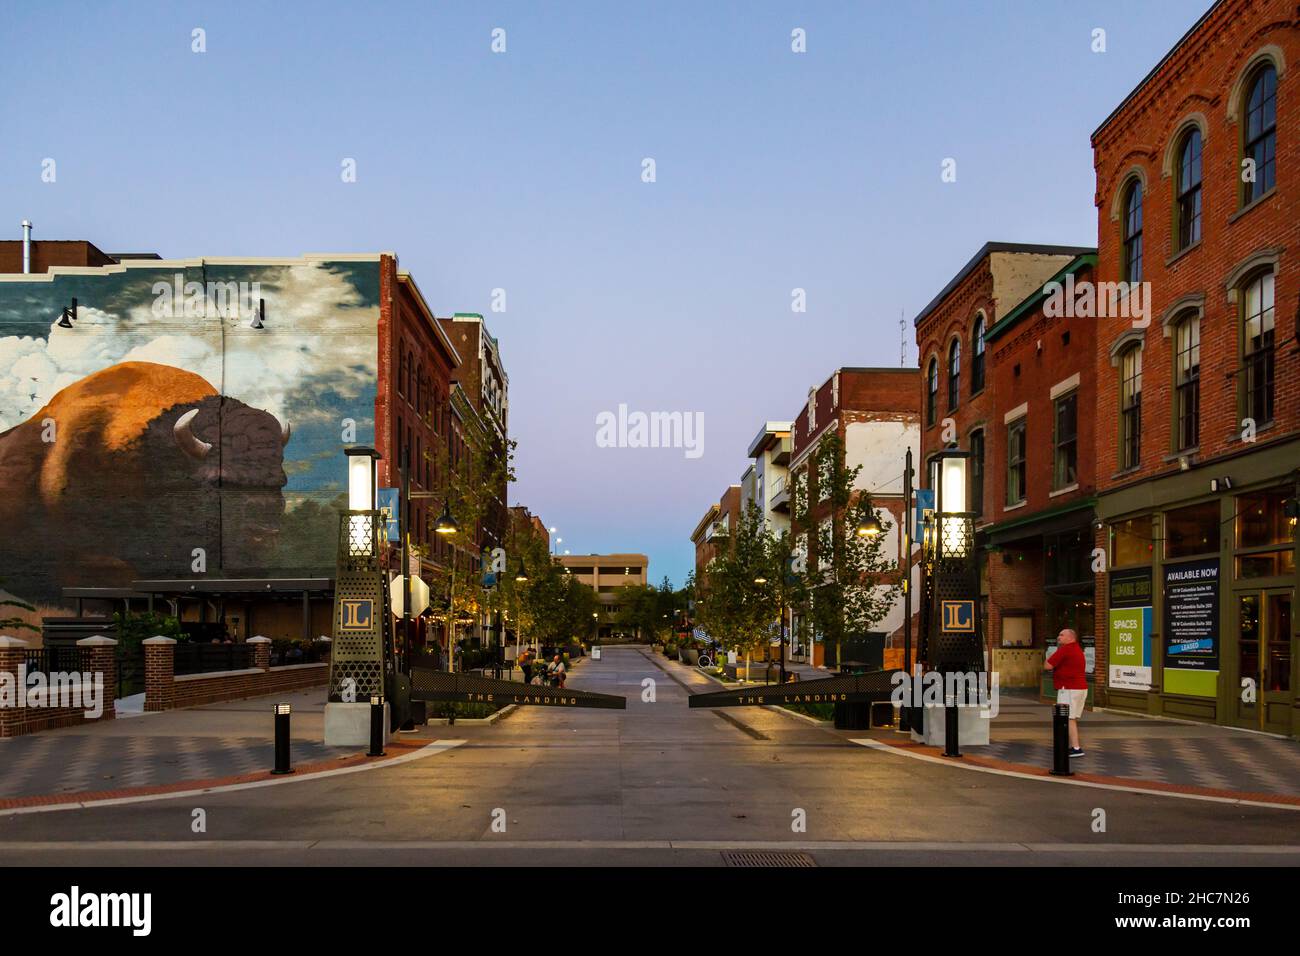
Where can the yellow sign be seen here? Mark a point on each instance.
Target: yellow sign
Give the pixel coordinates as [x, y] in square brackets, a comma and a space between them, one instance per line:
[958, 616]
[356, 615]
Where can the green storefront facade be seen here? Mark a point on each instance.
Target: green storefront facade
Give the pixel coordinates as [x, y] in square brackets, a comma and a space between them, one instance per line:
[1196, 605]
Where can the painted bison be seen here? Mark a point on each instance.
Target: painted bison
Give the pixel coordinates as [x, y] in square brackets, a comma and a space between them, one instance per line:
[128, 471]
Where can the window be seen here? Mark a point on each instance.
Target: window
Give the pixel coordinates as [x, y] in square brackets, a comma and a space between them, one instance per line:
[1016, 462]
[1133, 233]
[954, 373]
[1188, 206]
[977, 356]
[1257, 349]
[1187, 382]
[410, 371]
[1130, 408]
[1131, 541]
[1192, 530]
[977, 472]
[401, 371]
[1264, 535]
[932, 391]
[1065, 442]
[1260, 131]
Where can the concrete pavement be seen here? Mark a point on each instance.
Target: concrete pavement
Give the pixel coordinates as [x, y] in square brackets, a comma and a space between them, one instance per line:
[659, 783]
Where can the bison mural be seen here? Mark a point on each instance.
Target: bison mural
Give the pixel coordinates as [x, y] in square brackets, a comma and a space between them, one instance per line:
[129, 470]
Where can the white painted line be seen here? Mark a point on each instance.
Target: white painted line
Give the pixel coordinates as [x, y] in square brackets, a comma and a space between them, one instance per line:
[429, 750]
[957, 764]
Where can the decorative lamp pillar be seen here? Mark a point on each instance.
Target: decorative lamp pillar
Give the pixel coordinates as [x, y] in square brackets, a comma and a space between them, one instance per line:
[359, 664]
[951, 638]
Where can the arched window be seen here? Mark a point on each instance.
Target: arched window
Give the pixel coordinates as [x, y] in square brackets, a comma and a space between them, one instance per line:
[401, 371]
[932, 391]
[1133, 232]
[954, 373]
[1130, 407]
[1188, 207]
[1257, 348]
[410, 371]
[1260, 133]
[977, 356]
[1187, 382]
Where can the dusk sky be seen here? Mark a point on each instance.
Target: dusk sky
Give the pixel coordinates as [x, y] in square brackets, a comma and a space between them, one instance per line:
[522, 171]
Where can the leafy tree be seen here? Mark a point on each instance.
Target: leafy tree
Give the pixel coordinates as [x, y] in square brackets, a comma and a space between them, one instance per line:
[735, 609]
[851, 584]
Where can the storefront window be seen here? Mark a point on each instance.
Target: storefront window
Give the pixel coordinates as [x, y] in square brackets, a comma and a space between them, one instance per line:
[1131, 541]
[1192, 530]
[1261, 526]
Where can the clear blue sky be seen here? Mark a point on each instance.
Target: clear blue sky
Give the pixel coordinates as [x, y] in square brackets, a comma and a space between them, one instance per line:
[522, 171]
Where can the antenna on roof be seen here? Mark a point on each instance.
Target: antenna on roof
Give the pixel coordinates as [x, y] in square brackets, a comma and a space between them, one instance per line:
[902, 335]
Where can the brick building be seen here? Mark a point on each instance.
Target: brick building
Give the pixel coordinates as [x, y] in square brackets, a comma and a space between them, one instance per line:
[875, 414]
[959, 400]
[1198, 400]
[713, 532]
[1039, 478]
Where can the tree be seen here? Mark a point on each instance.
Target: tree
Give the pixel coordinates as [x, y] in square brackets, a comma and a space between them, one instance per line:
[476, 483]
[852, 584]
[16, 623]
[735, 609]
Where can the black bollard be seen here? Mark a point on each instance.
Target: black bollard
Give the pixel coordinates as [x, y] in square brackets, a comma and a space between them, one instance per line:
[950, 742]
[376, 727]
[282, 739]
[1061, 741]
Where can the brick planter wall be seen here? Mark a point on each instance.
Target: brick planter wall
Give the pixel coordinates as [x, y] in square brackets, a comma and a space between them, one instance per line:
[165, 691]
[98, 657]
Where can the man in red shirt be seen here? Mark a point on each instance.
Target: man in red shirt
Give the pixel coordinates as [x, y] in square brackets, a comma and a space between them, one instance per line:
[1069, 668]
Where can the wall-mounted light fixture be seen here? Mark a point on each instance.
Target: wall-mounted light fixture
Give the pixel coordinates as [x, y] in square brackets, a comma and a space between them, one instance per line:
[68, 316]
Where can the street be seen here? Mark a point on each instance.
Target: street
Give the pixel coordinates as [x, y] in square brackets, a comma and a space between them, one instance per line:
[657, 784]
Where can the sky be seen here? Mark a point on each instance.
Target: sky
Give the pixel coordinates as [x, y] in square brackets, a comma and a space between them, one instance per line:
[524, 170]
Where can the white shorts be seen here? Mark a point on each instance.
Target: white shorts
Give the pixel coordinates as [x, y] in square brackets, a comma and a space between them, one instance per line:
[1074, 699]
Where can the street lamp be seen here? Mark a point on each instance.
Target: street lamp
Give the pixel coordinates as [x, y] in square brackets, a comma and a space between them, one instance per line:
[363, 468]
[446, 523]
[870, 528]
[521, 576]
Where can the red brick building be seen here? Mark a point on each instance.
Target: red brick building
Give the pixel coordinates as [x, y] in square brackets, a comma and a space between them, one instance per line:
[875, 414]
[1039, 479]
[961, 407]
[714, 532]
[1198, 400]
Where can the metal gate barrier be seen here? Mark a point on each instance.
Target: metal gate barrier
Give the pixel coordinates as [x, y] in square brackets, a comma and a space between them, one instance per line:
[462, 688]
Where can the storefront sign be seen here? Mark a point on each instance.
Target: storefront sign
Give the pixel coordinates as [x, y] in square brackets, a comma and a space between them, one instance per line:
[1129, 630]
[1192, 628]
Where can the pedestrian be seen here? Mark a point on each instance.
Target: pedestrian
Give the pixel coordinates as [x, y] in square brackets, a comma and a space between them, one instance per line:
[556, 672]
[1069, 667]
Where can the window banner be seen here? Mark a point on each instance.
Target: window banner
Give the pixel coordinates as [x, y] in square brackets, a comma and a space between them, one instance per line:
[1129, 630]
[1192, 628]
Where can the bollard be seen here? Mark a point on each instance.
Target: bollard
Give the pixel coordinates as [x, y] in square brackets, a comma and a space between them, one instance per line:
[1061, 741]
[282, 739]
[950, 743]
[376, 727]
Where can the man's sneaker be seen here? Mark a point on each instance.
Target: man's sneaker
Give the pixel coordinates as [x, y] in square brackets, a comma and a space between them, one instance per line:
[1076, 751]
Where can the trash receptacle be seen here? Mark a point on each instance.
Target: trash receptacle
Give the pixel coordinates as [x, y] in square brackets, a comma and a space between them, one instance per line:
[595, 652]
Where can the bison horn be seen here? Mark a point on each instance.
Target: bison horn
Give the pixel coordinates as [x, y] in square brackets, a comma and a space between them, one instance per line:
[190, 443]
[285, 429]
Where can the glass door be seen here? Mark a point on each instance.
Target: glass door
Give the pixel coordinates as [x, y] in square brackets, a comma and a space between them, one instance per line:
[1265, 649]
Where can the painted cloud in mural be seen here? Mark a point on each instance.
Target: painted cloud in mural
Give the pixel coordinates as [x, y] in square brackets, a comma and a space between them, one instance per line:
[311, 318]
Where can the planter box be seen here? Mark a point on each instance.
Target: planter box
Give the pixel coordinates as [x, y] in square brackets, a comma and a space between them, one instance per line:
[690, 656]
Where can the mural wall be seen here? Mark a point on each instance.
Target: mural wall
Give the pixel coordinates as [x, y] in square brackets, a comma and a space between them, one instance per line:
[161, 430]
